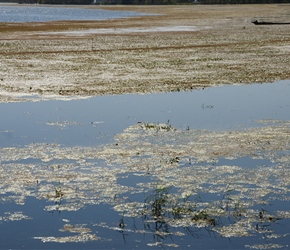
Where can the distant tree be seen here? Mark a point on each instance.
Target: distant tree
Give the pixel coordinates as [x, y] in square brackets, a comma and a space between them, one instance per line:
[147, 2]
[8, 1]
[56, 1]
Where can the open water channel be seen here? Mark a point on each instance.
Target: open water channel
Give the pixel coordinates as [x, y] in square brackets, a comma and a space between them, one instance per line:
[207, 169]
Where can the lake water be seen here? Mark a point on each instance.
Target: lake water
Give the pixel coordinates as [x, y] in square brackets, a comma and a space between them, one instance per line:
[69, 179]
[16, 13]
[73, 122]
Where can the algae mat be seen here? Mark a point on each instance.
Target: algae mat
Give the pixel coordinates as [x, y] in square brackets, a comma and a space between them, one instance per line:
[129, 181]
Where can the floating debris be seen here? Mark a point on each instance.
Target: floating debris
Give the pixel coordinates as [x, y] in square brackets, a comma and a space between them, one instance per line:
[179, 167]
[76, 238]
[16, 216]
[63, 124]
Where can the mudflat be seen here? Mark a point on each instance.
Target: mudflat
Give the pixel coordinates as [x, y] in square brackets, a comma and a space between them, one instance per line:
[177, 48]
[159, 178]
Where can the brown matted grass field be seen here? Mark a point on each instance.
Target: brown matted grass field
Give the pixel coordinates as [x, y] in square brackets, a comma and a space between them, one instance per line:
[181, 48]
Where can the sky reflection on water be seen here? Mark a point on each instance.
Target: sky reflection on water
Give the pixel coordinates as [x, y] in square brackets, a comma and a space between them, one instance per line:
[96, 120]
[17, 13]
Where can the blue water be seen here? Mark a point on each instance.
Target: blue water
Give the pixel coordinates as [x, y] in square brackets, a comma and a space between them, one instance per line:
[17, 13]
[95, 121]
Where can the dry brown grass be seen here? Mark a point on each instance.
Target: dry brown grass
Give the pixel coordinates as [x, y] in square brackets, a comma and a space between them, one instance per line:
[225, 49]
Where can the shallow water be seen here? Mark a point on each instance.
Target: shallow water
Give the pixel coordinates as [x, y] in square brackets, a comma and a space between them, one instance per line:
[16, 13]
[96, 120]
[68, 174]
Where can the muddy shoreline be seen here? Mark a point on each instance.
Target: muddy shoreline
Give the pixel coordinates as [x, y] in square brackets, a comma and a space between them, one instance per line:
[222, 46]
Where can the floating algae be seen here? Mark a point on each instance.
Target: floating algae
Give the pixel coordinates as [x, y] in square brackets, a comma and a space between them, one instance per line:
[93, 177]
[180, 169]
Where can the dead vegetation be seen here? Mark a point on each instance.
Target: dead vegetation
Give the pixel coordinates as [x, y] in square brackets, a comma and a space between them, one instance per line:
[225, 48]
[186, 161]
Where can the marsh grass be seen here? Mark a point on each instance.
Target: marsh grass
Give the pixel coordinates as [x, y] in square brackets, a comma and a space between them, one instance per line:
[58, 192]
[158, 127]
[166, 207]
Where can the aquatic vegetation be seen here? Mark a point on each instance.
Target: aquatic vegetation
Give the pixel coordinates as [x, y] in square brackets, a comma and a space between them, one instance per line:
[62, 124]
[58, 192]
[16, 216]
[66, 239]
[180, 170]
[266, 246]
[158, 127]
[83, 235]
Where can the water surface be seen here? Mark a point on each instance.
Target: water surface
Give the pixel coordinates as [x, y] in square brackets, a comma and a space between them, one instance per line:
[101, 173]
[17, 13]
[96, 120]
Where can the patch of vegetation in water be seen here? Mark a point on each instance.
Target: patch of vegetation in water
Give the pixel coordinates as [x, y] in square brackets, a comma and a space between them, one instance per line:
[172, 191]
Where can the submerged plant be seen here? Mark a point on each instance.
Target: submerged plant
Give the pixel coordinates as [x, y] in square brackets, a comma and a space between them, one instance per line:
[158, 127]
[157, 202]
[170, 208]
[230, 209]
[58, 192]
[203, 217]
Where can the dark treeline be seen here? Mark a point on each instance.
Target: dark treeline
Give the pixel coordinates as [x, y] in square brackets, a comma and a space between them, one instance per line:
[56, 1]
[149, 1]
[242, 1]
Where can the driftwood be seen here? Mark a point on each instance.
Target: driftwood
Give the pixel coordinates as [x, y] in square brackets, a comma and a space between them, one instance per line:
[256, 22]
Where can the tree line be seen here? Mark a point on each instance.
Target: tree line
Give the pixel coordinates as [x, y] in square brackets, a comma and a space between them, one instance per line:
[82, 2]
[148, 2]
